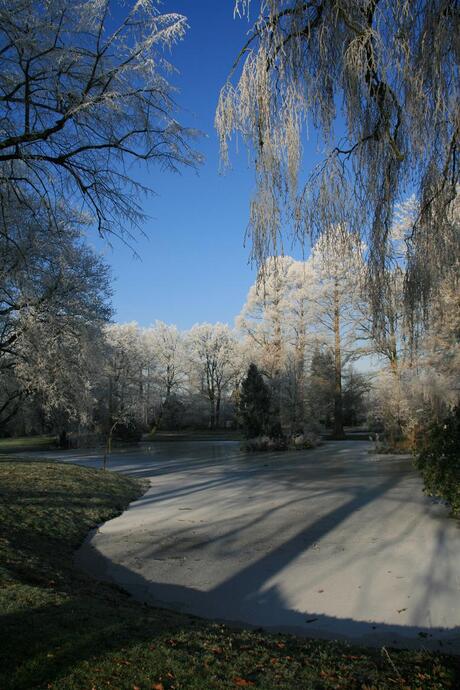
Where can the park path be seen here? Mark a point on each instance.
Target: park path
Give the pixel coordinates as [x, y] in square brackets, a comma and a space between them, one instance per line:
[334, 542]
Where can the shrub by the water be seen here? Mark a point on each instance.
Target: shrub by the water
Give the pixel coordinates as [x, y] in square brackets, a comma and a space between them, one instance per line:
[438, 459]
[308, 439]
[129, 432]
[261, 443]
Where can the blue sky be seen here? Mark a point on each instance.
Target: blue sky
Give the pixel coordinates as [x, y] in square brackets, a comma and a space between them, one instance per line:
[193, 265]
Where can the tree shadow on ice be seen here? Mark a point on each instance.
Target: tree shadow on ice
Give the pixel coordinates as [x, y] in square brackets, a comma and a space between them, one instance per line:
[246, 597]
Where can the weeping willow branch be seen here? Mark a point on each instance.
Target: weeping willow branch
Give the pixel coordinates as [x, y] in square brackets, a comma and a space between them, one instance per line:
[383, 73]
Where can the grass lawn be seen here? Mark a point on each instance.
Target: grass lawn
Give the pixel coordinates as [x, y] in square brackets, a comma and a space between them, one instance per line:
[204, 435]
[60, 629]
[27, 443]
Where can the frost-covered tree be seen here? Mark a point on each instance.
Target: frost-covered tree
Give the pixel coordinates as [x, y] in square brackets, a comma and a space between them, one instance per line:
[58, 366]
[389, 334]
[263, 317]
[54, 298]
[216, 362]
[276, 320]
[441, 344]
[297, 304]
[84, 90]
[123, 392]
[356, 387]
[432, 385]
[166, 365]
[301, 328]
[379, 81]
[339, 268]
[412, 392]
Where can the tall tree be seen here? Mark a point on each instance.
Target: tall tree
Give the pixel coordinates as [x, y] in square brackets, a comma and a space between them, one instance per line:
[83, 90]
[356, 387]
[54, 299]
[300, 328]
[214, 355]
[263, 317]
[338, 264]
[58, 366]
[274, 320]
[166, 362]
[321, 386]
[254, 404]
[123, 373]
[392, 66]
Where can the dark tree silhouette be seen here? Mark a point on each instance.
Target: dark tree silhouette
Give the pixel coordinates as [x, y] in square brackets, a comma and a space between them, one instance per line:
[255, 402]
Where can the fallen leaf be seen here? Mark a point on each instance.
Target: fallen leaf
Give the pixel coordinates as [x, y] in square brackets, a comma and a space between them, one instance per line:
[158, 686]
[243, 682]
[330, 675]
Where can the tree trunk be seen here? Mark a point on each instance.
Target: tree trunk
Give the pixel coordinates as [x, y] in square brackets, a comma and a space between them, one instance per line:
[338, 404]
[212, 411]
[299, 414]
[212, 417]
[395, 432]
[63, 439]
[277, 345]
[217, 415]
[157, 424]
[110, 400]
[108, 446]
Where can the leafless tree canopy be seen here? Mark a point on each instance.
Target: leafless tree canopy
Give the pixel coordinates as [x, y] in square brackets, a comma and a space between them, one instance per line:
[82, 93]
[380, 80]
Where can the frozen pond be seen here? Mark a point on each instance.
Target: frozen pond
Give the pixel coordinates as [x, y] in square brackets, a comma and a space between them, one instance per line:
[334, 542]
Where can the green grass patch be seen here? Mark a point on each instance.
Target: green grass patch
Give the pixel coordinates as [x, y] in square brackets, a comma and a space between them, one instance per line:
[205, 435]
[61, 629]
[26, 443]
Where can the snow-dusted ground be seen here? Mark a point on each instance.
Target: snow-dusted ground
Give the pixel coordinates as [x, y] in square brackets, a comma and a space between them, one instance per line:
[334, 542]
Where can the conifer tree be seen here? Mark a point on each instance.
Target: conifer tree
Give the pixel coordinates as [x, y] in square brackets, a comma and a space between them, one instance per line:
[254, 404]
